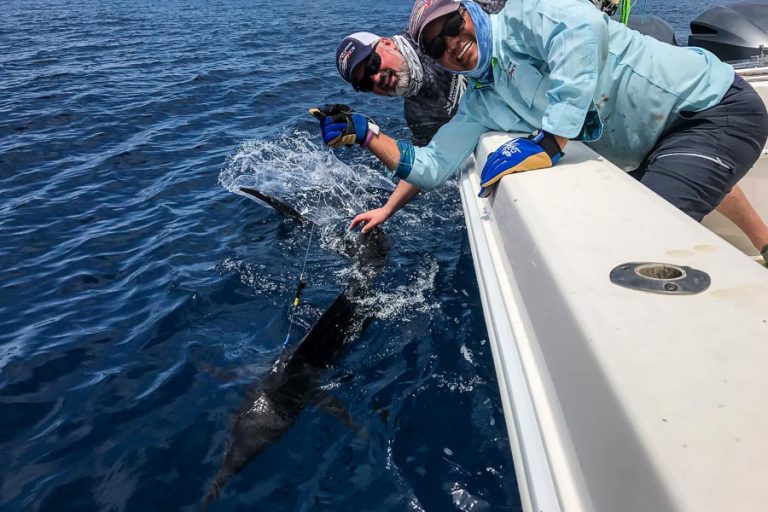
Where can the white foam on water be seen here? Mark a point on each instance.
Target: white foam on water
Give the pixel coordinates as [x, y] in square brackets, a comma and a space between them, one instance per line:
[406, 299]
[466, 502]
[457, 383]
[255, 276]
[467, 353]
[414, 505]
[312, 179]
[276, 166]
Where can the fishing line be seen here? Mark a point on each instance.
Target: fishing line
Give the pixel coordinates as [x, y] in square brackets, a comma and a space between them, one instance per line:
[299, 287]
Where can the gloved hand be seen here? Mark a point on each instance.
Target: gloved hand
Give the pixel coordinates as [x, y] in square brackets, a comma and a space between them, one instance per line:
[537, 151]
[340, 126]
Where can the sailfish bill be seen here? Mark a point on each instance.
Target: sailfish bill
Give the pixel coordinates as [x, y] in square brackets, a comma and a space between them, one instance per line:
[279, 206]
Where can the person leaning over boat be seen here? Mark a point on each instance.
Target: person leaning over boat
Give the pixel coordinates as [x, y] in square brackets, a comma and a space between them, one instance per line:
[678, 119]
[393, 66]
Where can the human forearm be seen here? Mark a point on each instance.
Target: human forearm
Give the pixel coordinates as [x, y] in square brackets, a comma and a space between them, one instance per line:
[737, 208]
[425, 167]
[403, 193]
[401, 196]
[385, 149]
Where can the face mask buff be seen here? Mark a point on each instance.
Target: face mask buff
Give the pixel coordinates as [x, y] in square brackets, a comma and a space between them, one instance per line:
[482, 22]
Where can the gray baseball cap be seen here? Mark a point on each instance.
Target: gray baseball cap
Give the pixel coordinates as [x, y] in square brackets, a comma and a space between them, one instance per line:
[425, 11]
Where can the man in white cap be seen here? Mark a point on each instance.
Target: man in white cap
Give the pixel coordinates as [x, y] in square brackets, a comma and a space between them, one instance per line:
[393, 66]
[677, 118]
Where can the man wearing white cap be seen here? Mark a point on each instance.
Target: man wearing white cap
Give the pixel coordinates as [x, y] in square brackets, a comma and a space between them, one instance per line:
[392, 66]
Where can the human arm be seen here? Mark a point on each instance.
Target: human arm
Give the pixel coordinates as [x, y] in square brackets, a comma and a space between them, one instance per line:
[341, 126]
[402, 194]
[385, 148]
[737, 208]
[424, 167]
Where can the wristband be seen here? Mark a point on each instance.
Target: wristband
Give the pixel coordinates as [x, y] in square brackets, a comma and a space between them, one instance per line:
[368, 138]
[548, 143]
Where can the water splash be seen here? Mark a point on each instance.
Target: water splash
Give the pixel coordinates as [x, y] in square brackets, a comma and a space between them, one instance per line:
[466, 502]
[256, 276]
[308, 176]
[406, 299]
[458, 384]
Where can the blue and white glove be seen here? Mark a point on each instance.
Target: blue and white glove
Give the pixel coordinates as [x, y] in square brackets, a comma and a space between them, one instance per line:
[342, 127]
[537, 151]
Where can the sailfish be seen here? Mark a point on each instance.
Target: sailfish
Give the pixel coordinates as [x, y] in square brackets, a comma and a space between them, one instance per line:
[273, 405]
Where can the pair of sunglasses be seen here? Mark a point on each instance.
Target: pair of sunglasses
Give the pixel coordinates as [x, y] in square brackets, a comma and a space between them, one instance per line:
[371, 66]
[451, 28]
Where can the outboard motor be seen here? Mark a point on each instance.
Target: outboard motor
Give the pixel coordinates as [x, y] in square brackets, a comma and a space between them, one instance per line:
[650, 25]
[732, 32]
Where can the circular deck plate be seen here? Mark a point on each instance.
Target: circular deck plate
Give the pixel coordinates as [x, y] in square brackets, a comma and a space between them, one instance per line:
[656, 277]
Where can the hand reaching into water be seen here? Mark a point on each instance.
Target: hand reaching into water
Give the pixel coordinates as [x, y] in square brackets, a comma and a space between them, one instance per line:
[403, 193]
[371, 218]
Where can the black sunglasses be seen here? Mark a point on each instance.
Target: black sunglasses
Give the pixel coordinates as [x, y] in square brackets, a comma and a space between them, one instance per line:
[371, 66]
[451, 28]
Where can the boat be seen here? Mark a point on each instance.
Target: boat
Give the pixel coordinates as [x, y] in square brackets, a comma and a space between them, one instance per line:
[629, 341]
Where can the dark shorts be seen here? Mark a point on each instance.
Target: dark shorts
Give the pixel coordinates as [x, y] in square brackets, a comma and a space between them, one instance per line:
[704, 154]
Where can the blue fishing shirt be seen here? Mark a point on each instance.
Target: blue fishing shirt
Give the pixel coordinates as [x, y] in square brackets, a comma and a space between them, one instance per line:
[564, 66]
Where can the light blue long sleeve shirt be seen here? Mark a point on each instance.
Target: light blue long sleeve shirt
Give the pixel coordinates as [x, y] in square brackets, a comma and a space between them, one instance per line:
[564, 66]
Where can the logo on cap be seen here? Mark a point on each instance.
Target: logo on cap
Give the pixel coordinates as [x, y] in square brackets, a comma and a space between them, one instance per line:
[418, 13]
[344, 56]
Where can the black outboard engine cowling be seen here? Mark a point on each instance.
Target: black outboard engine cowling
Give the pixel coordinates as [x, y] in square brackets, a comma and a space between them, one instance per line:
[653, 26]
[732, 32]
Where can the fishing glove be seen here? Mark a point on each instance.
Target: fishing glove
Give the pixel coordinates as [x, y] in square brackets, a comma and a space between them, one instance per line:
[537, 151]
[342, 127]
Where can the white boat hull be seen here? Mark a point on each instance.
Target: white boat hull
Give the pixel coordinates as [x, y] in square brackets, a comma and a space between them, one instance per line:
[618, 399]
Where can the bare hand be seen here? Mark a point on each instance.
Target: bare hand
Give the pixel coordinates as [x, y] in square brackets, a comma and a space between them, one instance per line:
[371, 218]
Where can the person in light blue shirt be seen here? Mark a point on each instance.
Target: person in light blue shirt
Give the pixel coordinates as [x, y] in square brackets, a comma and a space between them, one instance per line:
[678, 119]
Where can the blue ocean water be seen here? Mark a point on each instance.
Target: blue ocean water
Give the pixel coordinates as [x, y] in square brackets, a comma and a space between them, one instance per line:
[141, 295]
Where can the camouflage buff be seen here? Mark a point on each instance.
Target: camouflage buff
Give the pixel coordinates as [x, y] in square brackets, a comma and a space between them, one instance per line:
[491, 6]
[436, 101]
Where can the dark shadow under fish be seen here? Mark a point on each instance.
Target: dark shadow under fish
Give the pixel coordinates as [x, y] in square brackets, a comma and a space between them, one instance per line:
[273, 405]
